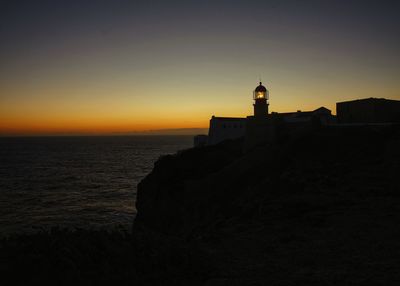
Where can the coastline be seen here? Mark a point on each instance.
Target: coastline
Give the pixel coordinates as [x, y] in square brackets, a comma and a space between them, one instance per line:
[317, 209]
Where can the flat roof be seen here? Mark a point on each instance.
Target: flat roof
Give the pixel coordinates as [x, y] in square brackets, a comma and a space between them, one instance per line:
[368, 99]
[228, 118]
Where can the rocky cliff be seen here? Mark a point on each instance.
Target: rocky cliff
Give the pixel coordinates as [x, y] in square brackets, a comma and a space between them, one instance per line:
[320, 208]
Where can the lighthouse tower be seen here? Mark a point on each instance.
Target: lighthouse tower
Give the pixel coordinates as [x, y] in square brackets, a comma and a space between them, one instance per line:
[260, 96]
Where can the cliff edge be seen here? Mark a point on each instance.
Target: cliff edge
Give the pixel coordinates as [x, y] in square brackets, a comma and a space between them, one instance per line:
[320, 209]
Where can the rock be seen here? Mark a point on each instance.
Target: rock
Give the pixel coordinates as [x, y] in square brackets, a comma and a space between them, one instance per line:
[325, 201]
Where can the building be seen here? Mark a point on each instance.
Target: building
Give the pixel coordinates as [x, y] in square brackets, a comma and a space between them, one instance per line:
[261, 127]
[223, 128]
[368, 110]
[260, 97]
[322, 114]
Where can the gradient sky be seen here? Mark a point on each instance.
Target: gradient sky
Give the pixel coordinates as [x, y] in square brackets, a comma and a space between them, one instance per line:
[118, 66]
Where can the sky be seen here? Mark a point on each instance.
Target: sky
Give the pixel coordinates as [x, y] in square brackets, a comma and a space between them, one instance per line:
[99, 67]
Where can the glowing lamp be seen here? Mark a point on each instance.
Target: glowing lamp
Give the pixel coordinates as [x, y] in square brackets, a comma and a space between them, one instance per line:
[260, 92]
[260, 96]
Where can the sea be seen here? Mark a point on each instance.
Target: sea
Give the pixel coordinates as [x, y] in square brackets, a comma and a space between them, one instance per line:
[72, 182]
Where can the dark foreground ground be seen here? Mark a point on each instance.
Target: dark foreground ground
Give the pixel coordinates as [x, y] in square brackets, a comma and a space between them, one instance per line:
[321, 209]
[84, 257]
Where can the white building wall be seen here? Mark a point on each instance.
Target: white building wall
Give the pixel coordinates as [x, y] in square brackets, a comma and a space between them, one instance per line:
[223, 128]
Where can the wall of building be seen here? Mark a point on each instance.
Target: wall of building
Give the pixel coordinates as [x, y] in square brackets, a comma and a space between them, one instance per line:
[322, 115]
[370, 110]
[259, 130]
[223, 128]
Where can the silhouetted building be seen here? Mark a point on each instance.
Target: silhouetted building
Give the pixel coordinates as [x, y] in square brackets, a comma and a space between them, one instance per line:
[260, 96]
[323, 115]
[223, 128]
[261, 127]
[368, 110]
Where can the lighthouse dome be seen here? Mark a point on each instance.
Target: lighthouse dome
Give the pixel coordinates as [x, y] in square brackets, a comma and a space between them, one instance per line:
[260, 88]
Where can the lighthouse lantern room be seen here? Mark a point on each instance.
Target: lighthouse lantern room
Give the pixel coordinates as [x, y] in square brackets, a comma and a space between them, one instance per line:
[261, 96]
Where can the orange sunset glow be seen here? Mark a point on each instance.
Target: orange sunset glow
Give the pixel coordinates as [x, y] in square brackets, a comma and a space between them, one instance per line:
[127, 73]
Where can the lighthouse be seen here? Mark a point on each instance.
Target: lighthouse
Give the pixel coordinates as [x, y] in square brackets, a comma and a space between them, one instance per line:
[262, 128]
[260, 96]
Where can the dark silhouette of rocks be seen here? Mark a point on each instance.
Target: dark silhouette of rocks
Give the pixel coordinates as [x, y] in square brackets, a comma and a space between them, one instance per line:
[319, 209]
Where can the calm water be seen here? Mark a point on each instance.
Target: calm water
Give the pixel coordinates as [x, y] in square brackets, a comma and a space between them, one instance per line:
[75, 181]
